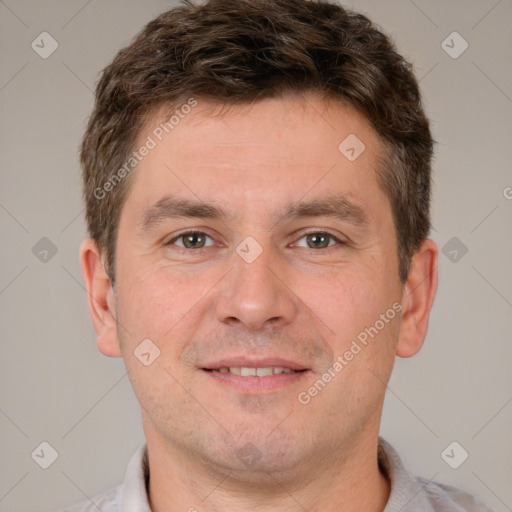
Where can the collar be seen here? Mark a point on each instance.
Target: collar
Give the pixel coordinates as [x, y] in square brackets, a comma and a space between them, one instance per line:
[406, 489]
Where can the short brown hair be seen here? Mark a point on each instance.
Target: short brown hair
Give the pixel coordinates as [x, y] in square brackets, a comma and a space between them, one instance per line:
[239, 51]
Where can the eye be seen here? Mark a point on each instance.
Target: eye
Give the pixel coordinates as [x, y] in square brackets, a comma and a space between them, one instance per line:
[191, 240]
[197, 240]
[319, 240]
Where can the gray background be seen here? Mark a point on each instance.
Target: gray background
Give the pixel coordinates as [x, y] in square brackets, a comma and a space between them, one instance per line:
[54, 384]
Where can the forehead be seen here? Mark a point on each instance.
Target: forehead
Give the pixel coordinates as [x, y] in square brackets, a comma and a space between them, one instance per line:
[306, 124]
[275, 149]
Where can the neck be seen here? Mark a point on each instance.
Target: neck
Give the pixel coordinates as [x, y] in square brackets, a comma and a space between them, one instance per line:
[349, 481]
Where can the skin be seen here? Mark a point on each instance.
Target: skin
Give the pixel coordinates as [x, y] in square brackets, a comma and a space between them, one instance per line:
[301, 299]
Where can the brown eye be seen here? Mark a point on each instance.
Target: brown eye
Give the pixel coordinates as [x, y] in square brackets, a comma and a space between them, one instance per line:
[319, 240]
[191, 240]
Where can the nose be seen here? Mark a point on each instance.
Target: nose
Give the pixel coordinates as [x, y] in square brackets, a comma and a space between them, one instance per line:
[256, 295]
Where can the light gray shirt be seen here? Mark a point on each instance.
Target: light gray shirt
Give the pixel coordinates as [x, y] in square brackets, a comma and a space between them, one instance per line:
[409, 493]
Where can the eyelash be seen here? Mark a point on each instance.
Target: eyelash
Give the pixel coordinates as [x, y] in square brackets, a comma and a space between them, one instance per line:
[202, 249]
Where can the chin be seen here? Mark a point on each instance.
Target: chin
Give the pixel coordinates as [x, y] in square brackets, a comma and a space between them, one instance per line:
[254, 454]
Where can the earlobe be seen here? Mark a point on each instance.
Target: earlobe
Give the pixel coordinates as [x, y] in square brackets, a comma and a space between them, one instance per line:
[100, 297]
[418, 297]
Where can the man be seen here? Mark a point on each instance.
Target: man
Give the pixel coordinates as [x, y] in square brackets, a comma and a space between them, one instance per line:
[257, 183]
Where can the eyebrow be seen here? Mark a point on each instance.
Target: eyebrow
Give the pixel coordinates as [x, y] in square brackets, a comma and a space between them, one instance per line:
[335, 206]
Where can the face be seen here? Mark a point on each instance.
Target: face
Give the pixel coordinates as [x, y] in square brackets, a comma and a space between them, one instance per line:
[250, 243]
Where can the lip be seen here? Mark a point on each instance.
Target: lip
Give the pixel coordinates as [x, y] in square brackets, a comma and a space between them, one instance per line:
[255, 385]
[248, 362]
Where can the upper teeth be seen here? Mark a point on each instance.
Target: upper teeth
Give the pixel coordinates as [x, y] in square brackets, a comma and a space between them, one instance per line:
[255, 372]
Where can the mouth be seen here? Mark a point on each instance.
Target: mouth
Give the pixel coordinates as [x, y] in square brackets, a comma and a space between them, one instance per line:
[255, 377]
[248, 371]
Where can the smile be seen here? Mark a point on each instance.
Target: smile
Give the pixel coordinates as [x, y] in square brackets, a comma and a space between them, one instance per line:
[255, 372]
[255, 379]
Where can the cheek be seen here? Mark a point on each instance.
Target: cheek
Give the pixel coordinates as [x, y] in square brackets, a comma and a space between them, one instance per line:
[357, 306]
[349, 300]
[154, 305]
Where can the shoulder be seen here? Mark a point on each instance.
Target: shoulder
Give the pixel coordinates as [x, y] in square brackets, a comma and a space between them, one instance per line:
[444, 498]
[106, 502]
[412, 493]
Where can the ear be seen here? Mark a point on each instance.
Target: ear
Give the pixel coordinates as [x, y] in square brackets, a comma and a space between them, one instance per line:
[417, 299]
[100, 297]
